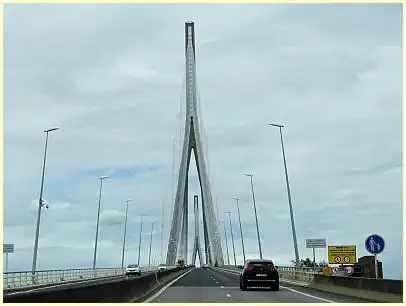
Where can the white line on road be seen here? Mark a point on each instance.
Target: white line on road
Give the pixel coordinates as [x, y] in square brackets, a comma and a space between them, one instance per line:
[166, 287]
[217, 283]
[222, 287]
[308, 295]
[228, 295]
[293, 290]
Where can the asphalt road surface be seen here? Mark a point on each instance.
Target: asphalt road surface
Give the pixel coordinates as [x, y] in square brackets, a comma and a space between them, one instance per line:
[210, 286]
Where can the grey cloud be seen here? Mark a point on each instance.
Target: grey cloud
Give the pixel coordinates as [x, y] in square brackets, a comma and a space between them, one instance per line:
[111, 217]
[387, 166]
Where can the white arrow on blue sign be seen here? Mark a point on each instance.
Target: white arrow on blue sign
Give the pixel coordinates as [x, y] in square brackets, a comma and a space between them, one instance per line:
[374, 244]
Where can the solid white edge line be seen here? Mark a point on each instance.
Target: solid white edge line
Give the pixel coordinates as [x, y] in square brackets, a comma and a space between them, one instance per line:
[308, 295]
[293, 290]
[166, 287]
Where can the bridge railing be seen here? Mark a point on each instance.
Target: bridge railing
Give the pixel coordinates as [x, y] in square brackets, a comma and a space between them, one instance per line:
[304, 274]
[21, 279]
[301, 274]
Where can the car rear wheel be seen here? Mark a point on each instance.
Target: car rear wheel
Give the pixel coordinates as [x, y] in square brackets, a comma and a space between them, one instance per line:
[275, 287]
[243, 286]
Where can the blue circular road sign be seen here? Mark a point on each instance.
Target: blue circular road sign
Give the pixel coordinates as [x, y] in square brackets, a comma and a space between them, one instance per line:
[374, 244]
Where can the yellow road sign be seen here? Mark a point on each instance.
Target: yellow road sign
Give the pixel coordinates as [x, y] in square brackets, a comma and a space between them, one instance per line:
[345, 254]
[327, 271]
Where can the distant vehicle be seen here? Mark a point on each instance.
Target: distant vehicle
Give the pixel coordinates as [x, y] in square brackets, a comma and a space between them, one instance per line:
[180, 263]
[132, 270]
[205, 266]
[259, 273]
[216, 264]
[162, 267]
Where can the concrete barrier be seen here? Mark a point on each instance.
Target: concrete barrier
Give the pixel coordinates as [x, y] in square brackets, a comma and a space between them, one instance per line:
[121, 290]
[379, 290]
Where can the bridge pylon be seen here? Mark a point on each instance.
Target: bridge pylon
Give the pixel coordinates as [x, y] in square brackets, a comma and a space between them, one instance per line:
[178, 238]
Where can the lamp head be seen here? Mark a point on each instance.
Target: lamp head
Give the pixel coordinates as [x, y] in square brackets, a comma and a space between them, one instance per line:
[51, 130]
[277, 125]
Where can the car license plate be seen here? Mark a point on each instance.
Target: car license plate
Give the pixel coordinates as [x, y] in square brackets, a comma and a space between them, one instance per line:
[261, 274]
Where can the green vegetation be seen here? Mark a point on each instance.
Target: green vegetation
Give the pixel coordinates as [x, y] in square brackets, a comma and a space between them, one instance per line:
[308, 263]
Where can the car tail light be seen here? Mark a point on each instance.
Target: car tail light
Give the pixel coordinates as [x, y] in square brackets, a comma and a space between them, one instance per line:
[249, 269]
[274, 269]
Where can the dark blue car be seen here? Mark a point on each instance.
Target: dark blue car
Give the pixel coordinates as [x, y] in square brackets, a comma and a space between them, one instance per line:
[259, 273]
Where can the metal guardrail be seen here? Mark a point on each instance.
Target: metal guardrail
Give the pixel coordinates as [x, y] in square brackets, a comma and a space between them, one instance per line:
[303, 274]
[22, 279]
[300, 274]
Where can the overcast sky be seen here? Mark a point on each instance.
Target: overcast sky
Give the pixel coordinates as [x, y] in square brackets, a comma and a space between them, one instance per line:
[111, 76]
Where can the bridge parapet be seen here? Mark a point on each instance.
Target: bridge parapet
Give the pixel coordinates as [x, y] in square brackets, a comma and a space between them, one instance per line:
[379, 290]
[25, 279]
[108, 289]
[300, 274]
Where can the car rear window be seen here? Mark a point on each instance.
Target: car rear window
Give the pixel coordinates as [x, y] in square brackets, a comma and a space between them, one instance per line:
[132, 266]
[260, 265]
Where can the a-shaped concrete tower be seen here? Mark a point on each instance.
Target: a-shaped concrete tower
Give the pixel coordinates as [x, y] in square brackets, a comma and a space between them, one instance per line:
[178, 239]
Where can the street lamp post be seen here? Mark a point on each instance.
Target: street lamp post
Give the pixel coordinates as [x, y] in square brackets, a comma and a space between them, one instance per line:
[139, 245]
[150, 246]
[256, 217]
[292, 220]
[225, 237]
[40, 203]
[125, 232]
[98, 220]
[160, 257]
[239, 218]
[232, 237]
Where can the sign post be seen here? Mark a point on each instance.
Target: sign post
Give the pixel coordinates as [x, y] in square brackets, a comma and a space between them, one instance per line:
[7, 248]
[313, 244]
[375, 245]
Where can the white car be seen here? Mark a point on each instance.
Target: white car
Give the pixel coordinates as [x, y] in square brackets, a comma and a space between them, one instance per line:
[132, 270]
[162, 267]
